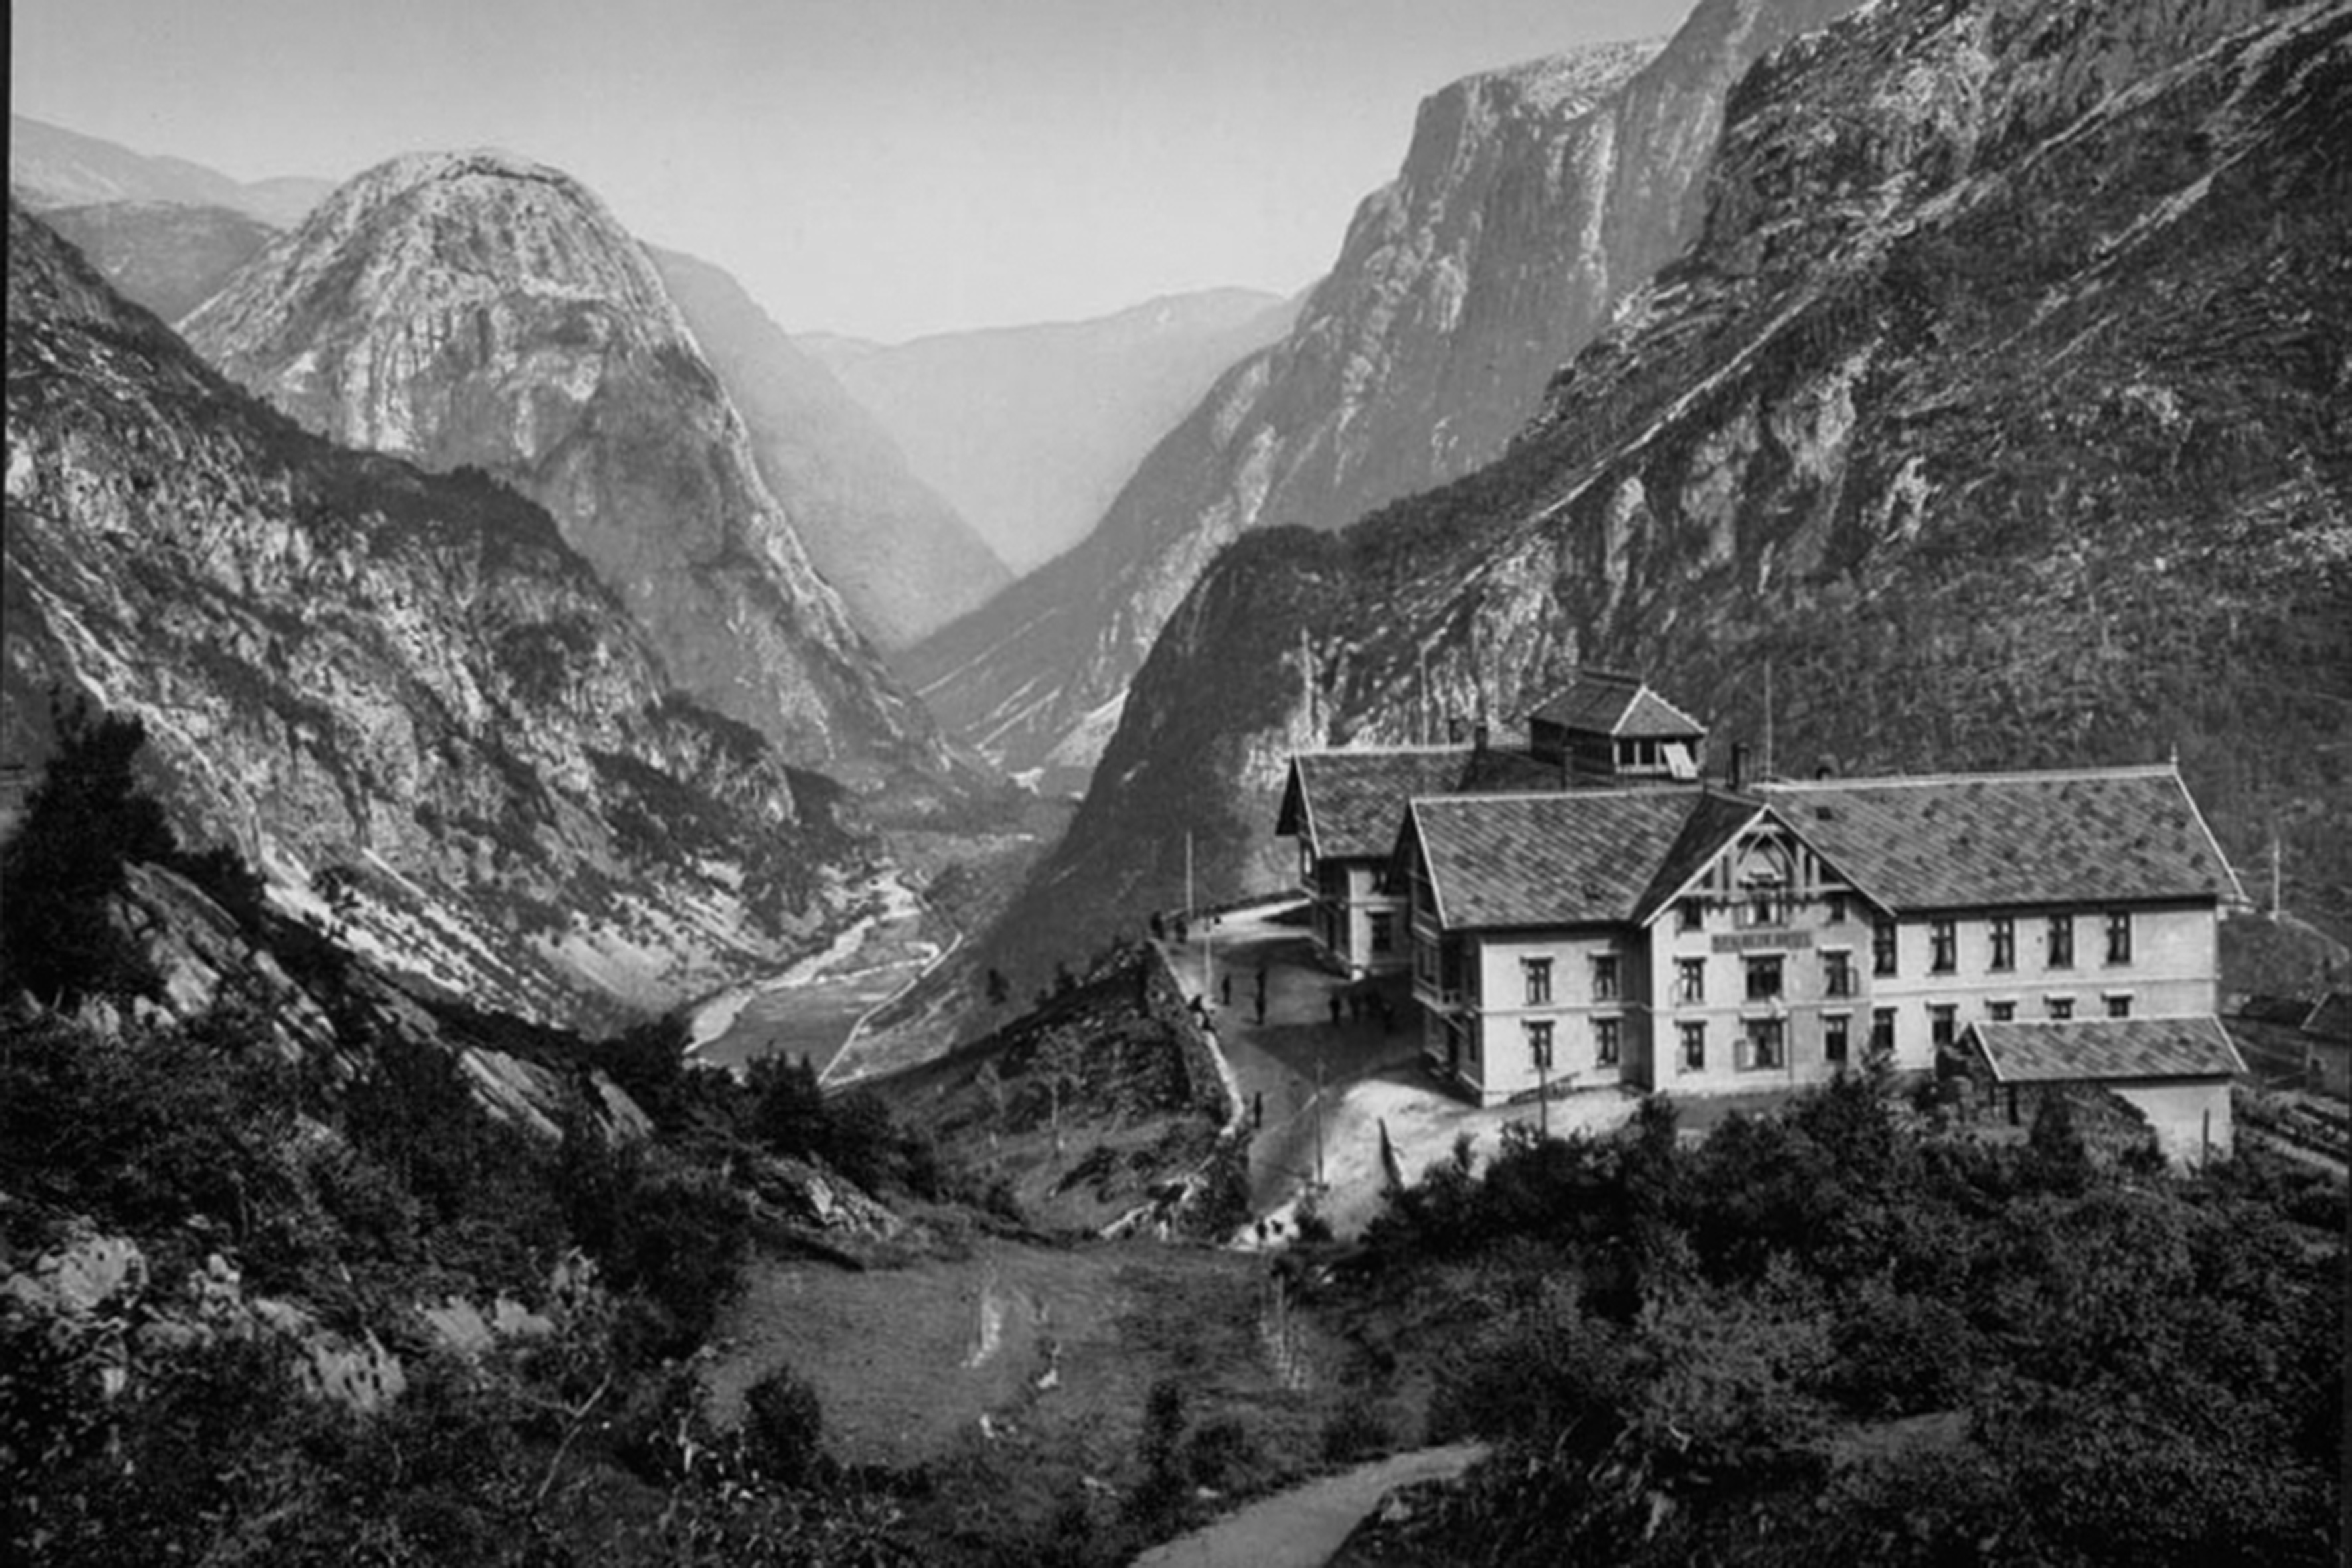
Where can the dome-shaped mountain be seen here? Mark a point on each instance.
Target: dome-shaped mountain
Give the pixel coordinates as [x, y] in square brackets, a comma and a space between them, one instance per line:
[398, 694]
[475, 309]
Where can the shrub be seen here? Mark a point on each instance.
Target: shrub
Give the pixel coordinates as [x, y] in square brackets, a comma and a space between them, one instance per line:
[784, 1427]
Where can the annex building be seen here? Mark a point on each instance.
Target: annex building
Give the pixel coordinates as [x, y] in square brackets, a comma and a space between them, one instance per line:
[1625, 921]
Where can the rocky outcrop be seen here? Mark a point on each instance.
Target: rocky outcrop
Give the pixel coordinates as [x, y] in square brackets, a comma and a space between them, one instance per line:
[475, 311]
[1996, 420]
[1531, 200]
[400, 696]
[902, 559]
[1032, 430]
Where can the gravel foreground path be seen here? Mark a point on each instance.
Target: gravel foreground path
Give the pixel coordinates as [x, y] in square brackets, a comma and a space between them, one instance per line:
[1303, 1527]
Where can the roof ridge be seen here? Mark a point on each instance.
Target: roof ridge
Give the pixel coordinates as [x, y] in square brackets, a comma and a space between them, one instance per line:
[2027, 775]
[1432, 749]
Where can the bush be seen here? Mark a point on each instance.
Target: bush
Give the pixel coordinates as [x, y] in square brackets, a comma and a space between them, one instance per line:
[1358, 1429]
[784, 1427]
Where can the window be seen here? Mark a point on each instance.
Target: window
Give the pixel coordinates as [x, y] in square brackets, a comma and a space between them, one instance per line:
[2004, 942]
[1383, 932]
[2000, 1012]
[2061, 1007]
[1536, 974]
[2119, 937]
[1833, 1039]
[1689, 915]
[1539, 1045]
[1424, 963]
[1943, 946]
[1881, 1029]
[2119, 1006]
[1943, 1024]
[1764, 978]
[1837, 972]
[1763, 906]
[2062, 941]
[1882, 948]
[1604, 977]
[1608, 1041]
[1694, 1048]
[1761, 1044]
[1838, 910]
[1690, 980]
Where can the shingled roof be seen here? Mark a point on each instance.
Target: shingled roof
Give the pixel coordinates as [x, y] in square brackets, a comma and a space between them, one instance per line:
[1602, 701]
[1975, 840]
[1347, 804]
[1572, 857]
[2087, 1050]
[2332, 1019]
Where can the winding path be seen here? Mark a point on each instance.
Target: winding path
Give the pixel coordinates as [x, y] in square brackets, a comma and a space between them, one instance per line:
[1303, 1527]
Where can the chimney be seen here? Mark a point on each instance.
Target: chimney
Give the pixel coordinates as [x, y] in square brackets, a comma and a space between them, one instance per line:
[1738, 764]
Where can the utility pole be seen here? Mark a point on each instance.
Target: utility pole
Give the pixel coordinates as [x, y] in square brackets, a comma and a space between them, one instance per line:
[2277, 907]
[1767, 718]
[1187, 875]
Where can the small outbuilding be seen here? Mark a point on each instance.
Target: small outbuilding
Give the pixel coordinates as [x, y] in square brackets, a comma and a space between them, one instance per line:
[2327, 1046]
[2176, 1073]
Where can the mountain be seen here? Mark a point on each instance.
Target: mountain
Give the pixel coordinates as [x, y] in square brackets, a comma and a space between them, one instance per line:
[472, 310]
[1030, 431]
[168, 258]
[901, 558]
[400, 695]
[1531, 199]
[49, 167]
[1995, 420]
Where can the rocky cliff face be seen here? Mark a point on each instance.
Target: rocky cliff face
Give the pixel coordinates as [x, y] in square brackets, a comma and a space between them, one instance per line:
[1032, 430]
[473, 310]
[1531, 199]
[902, 560]
[401, 696]
[1995, 419]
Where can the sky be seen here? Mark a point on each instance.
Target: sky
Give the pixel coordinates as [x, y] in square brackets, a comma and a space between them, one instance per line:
[883, 168]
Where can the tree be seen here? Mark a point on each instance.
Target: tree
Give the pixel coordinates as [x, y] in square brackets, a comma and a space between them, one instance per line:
[86, 822]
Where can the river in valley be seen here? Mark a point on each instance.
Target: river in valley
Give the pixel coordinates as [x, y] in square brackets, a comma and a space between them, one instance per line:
[812, 1008]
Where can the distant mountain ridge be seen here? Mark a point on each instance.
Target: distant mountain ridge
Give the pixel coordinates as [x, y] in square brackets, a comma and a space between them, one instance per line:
[1032, 430]
[1995, 420]
[401, 696]
[1531, 199]
[49, 167]
[476, 309]
[901, 558]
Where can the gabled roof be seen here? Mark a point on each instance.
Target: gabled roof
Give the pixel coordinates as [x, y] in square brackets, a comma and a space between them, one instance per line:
[1715, 821]
[1347, 804]
[1957, 841]
[2332, 1019]
[2087, 1050]
[1572, 857]
[1602, 701]
[1496, 770]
